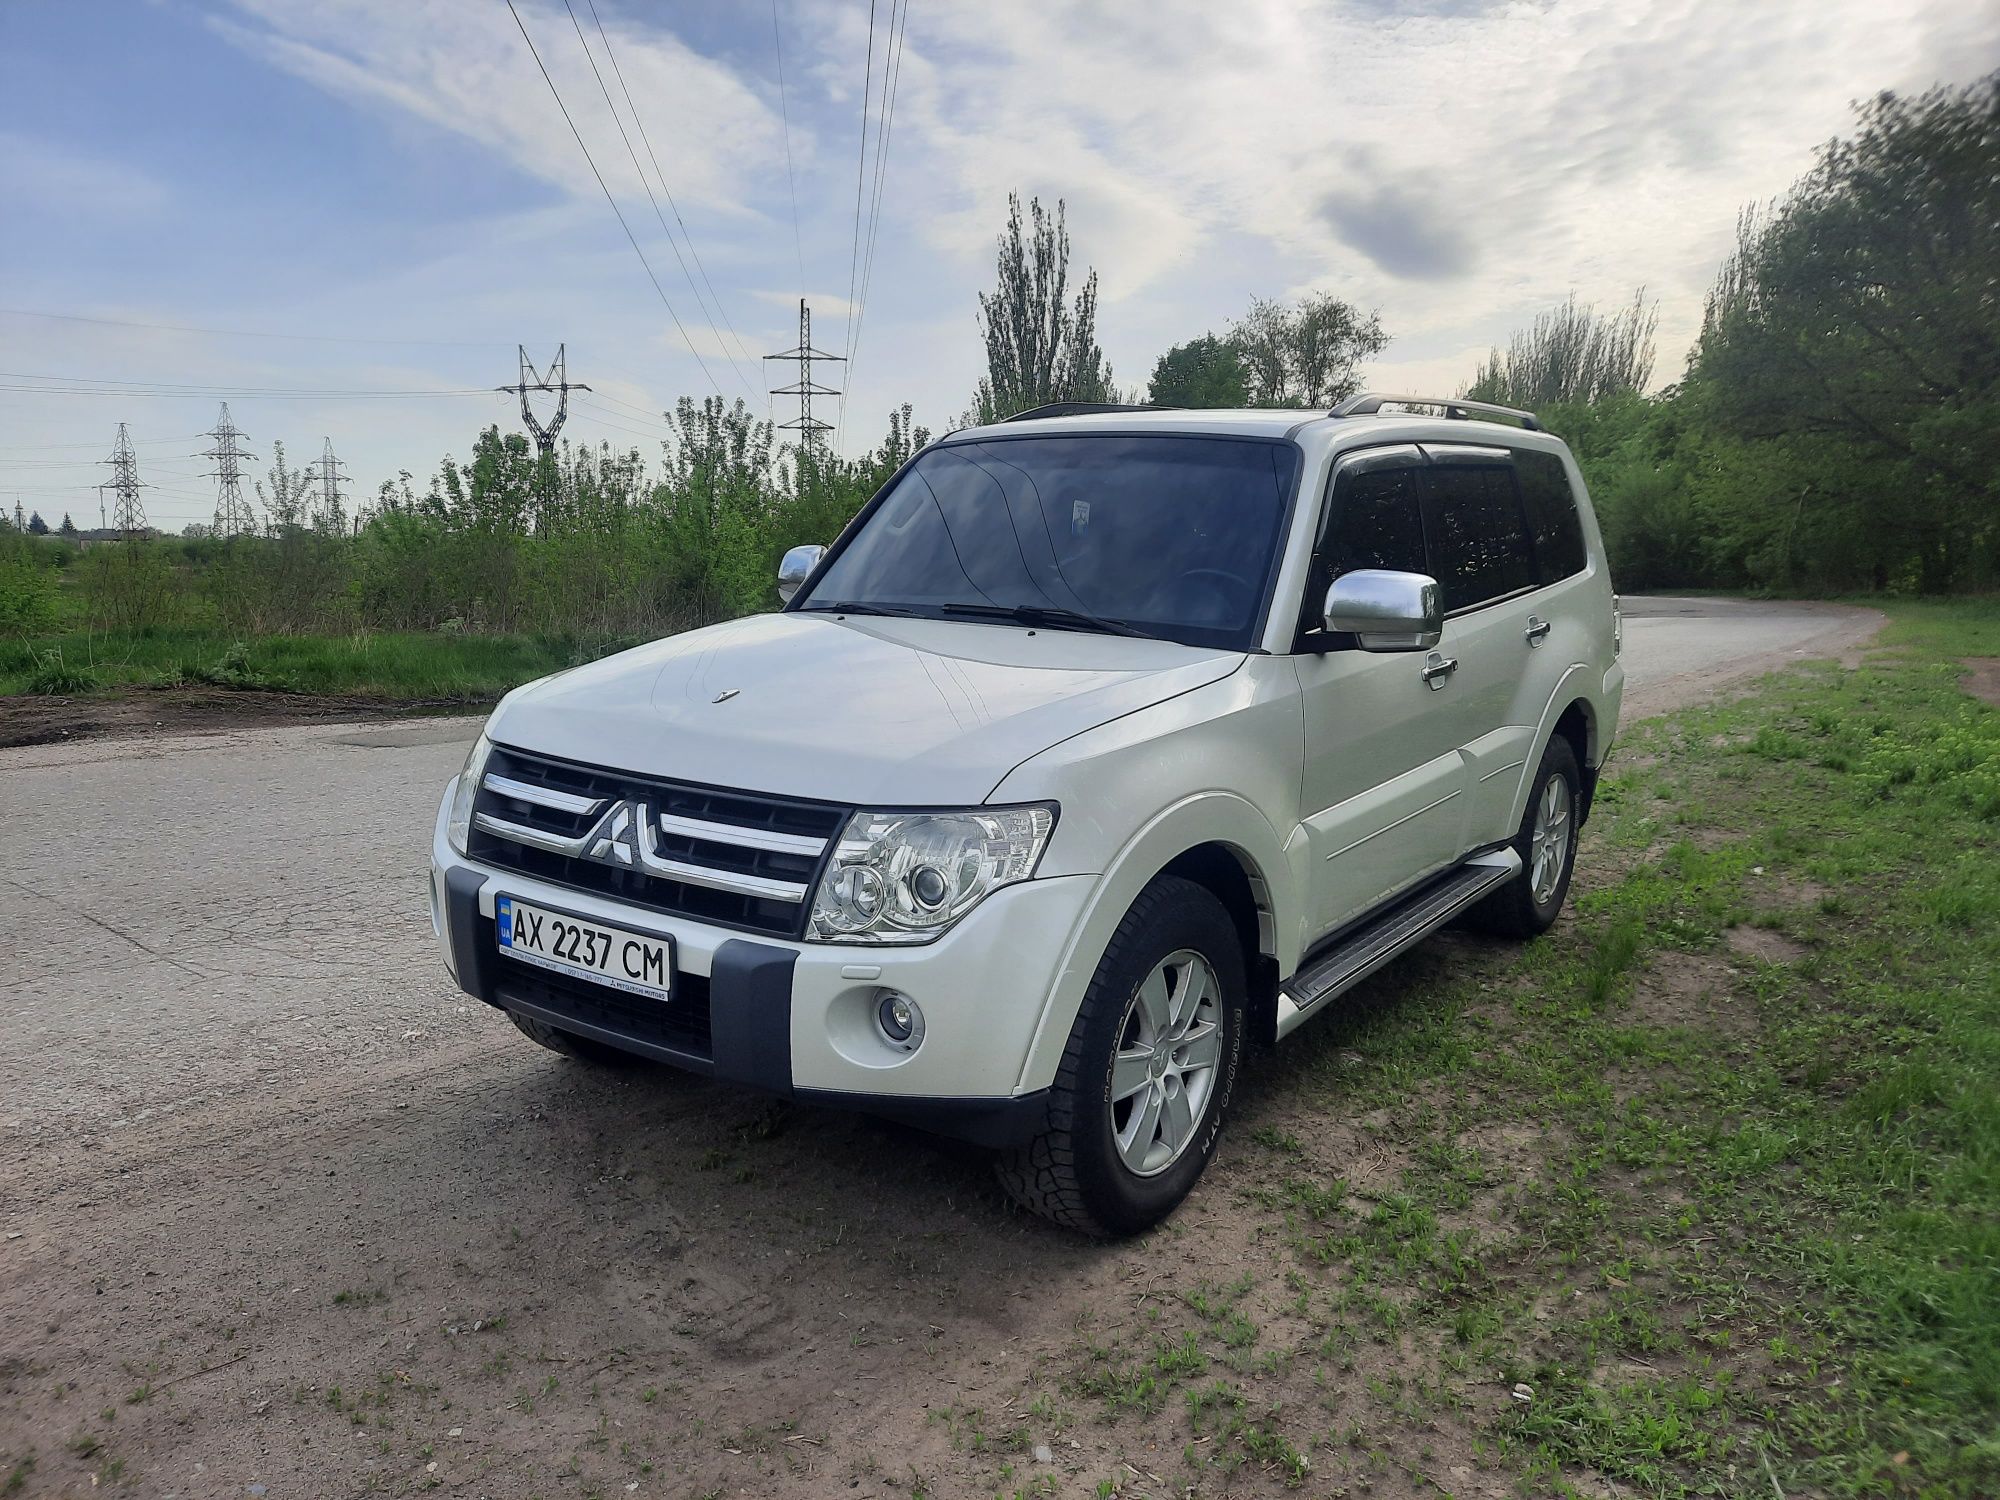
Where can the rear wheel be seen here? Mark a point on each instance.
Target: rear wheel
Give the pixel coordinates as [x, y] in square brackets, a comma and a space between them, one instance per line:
[1528, 904]
[569, 1044]
[1139, 1100]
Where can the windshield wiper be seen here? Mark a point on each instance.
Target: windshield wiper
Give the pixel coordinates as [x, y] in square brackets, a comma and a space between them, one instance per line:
[862, 607]
[1053, 616]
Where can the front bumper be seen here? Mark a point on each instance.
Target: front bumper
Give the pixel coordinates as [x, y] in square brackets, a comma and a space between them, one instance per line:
[798, 1019]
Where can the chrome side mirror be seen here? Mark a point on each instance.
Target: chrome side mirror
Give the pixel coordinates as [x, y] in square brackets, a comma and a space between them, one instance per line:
[795, 567]
[1384, 610]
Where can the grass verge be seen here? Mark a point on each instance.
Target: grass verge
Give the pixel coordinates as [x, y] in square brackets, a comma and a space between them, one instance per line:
[435, 667]
[1699, 1194]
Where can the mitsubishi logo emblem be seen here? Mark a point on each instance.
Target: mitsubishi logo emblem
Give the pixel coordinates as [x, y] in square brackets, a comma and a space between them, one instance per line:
[614, 841]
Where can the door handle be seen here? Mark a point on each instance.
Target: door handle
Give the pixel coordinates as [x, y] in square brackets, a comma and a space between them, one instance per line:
[1538, 630]
[1437, 667]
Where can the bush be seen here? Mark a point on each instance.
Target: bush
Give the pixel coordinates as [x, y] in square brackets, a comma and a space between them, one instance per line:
[27, 597]
[56, 678]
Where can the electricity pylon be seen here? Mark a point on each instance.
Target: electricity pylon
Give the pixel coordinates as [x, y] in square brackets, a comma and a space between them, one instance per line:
[810, 432]
[328, 513]
[533, 380]
[233, 515]
[125, 484]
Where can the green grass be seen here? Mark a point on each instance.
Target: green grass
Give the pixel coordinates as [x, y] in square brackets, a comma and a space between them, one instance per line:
[1712, 1172]
[437, 667]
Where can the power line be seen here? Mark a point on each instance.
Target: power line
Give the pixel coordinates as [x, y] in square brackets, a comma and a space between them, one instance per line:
[91, 385]
[785, 114]
[860, 170]
[591, 162]
[885, 122]
[637, 119]
[711, 313]
[245, 333]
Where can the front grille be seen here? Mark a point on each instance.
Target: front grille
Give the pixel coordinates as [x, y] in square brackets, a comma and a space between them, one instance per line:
[731, 858]
[681, 1025]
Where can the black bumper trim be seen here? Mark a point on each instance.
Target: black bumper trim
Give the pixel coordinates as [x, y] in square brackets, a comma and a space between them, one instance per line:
[473, 963]
[984, 1122]
[750, 1014]
[509, 998]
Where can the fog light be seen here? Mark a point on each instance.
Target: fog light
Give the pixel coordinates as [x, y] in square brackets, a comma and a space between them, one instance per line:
[901, 1022]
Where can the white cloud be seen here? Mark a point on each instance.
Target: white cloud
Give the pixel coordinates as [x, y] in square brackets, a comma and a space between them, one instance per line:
[466, 69]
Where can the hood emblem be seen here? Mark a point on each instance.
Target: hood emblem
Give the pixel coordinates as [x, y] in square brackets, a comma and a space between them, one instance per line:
[614, 839]
[726, 694]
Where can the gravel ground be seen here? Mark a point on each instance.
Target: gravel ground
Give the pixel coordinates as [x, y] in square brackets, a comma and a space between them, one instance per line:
[285, 1214]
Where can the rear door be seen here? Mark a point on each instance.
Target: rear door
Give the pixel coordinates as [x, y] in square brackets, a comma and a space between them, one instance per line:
[1382, 790]
[1483, 557]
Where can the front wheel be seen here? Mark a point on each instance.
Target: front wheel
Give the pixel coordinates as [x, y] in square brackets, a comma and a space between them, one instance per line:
[1139, 1100]
[1528, 904]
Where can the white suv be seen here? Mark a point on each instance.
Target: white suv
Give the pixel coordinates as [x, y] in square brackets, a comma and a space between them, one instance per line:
[1101, 743]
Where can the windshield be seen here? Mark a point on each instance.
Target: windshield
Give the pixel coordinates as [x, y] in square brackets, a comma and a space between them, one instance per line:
[1173, 537]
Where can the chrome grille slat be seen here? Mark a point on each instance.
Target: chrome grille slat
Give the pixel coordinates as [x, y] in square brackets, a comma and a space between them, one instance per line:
[542, 796]
[534, 838]
[737, 834]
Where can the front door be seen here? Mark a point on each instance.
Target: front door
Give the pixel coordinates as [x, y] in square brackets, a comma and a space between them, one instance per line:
[1484, 561]
[1384, 779]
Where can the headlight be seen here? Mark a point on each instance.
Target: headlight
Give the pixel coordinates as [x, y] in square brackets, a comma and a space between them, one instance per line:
[903, 877]
[459, 827]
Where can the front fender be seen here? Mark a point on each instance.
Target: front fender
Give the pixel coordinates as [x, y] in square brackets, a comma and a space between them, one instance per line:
[1208, 817]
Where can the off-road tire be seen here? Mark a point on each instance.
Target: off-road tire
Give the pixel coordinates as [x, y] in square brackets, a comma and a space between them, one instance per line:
[1513, 911]
[1071, 1173]
[569, 1044]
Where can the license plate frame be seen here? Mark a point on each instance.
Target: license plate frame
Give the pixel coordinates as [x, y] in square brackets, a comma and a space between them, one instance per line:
[584, 936]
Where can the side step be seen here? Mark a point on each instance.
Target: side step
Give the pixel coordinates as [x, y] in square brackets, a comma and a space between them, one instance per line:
[1354, 957]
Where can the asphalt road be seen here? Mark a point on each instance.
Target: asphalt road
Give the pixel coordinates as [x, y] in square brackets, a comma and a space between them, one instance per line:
[256, 1152]
[189, 918]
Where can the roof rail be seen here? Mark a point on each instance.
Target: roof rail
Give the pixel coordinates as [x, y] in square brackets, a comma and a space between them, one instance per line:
[1370, 404]
[1079, 409]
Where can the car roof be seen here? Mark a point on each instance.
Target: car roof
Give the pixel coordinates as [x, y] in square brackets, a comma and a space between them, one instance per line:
[1266, 422]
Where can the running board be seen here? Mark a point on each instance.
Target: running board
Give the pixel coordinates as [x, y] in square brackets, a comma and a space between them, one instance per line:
[1362, 952]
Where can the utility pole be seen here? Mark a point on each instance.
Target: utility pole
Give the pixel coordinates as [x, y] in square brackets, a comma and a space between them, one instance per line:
[233, 515]
[811, 433]
[124, 483]
[328, 514]
[532, 380]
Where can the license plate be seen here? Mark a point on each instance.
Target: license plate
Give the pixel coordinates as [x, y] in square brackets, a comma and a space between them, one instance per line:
[630, 961]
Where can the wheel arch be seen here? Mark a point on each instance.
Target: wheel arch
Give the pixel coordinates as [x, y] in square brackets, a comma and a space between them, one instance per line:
[1218, 841]
[1574, 714]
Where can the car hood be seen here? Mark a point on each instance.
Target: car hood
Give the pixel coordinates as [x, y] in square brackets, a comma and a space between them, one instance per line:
[863, 710]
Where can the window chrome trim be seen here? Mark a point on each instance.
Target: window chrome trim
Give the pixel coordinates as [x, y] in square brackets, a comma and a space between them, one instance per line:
[541, 796]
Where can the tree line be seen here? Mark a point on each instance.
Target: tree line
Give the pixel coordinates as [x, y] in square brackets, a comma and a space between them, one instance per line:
[1837, 428]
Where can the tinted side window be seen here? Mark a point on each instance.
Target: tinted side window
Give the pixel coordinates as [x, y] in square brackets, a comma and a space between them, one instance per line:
[1375, 520]
[1552, 517]
[1377, 523]
[1479, 541]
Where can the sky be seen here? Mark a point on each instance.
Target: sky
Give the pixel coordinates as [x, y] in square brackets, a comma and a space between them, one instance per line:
[359, 197]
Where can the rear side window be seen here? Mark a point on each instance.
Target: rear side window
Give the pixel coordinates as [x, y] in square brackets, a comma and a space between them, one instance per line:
[1552, 517]
[1479, 538]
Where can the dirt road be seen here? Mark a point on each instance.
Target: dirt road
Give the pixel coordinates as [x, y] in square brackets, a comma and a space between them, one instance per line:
[286, 1215]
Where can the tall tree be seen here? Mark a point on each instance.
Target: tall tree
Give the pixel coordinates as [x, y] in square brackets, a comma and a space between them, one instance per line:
[1204, 372]
[286, 497]
[1039, 347]
[68, 527]
[1862, 314]
[1573, 353]
[1305, 356]
[37, 526]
